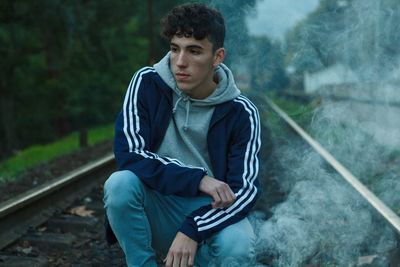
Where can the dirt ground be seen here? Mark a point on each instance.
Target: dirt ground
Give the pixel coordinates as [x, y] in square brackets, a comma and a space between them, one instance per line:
[90, 249]
[53, 169]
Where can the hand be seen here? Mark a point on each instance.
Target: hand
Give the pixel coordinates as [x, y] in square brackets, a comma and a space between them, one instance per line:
[220, 192]
[182, 251]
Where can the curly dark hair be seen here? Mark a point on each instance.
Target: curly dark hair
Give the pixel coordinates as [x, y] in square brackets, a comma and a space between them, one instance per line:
[197, 20]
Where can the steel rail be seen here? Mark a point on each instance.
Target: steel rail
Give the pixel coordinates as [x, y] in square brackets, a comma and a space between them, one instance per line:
[310, 96]
[34, 206]
[372, 199]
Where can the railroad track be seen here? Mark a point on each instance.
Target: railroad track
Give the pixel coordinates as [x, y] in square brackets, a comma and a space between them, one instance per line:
[53, 224]
[37, 226]
[391, 217]
[308, 97]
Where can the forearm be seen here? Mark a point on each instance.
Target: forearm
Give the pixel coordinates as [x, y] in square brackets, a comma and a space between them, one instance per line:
[164, 176]
[212, 218]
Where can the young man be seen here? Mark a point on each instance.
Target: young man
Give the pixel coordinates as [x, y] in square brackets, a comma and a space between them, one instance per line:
[187, 146]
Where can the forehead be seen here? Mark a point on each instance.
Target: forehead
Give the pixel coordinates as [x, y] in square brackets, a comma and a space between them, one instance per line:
[183, 41]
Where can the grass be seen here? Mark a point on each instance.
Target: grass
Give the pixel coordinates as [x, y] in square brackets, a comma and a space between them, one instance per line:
[100, 134]
[39, 154]
[301, 113]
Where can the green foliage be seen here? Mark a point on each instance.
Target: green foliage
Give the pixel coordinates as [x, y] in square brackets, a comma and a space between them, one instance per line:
[301, 113]
[36, 155]
[266, 62]
[100, 134]
[65, 65]
[274, 127]
[39, 154]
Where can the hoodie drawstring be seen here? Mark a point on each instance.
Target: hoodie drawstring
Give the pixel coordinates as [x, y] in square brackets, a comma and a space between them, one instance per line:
[185, 127]
[185, 99]
[176, 104]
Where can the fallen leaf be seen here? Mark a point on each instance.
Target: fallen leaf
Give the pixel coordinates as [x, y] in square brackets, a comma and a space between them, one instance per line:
[24, 249]
[81, 211]
[42, 229]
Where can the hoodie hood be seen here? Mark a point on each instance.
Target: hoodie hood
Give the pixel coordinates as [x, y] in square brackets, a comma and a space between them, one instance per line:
[226, 89]
[186, 136]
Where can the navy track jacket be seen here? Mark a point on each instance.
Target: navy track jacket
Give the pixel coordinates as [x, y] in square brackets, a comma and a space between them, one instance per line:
[233, 144]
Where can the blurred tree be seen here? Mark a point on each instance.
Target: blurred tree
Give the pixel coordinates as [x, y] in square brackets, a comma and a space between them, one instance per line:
[311, 43]
[22, 66]
[103, 46]
[266, 65]
[66, 64]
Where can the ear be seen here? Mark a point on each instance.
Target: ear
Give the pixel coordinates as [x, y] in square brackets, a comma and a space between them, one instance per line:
[219, 56]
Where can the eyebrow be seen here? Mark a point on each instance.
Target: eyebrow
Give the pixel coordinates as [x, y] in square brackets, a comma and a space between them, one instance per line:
[189, 46]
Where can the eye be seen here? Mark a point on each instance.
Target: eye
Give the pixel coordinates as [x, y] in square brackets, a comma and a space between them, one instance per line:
[195, 52]
[173, 49]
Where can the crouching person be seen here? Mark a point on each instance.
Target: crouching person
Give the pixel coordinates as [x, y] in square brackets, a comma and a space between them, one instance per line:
[186, 145]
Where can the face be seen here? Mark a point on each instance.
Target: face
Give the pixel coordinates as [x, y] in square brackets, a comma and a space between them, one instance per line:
[192, 63]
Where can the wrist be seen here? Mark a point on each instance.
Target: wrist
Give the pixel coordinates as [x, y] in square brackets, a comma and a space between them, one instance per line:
[202, 184]
[189, 229]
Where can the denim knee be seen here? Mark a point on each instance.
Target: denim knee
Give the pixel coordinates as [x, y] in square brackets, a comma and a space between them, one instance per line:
[121, 188]
[234, 242]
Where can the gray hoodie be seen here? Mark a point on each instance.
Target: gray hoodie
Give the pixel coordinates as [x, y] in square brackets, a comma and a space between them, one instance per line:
[186, 136]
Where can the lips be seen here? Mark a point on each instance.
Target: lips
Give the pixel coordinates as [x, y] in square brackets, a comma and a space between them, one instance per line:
[181, 76]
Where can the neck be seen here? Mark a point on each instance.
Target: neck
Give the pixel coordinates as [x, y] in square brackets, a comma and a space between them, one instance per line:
[205, 93]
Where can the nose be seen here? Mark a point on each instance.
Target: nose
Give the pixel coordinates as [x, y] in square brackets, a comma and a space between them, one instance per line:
[181, 60]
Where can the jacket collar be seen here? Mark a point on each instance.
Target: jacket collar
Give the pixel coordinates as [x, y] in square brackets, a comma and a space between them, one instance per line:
[164, 88]
[220, 112]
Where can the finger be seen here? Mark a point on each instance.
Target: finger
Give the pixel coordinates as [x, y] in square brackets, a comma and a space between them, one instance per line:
[230, 195]
[229, 189]
[227, 195]
[177, 260]
[191, 260]
[225, 198]
[217, 200]
[184, 260]
[168, 260]
[229, 199]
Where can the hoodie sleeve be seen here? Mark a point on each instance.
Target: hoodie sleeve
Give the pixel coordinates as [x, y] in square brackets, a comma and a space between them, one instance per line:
[243, 166]
[132, 145]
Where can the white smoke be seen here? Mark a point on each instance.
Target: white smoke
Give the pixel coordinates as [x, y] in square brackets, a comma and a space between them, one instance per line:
[323, 221]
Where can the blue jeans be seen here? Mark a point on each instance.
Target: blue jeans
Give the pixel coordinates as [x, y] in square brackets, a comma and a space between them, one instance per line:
[145, 223]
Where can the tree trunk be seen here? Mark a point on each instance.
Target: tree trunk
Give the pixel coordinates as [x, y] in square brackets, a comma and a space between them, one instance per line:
[7, 126]
[83, 138]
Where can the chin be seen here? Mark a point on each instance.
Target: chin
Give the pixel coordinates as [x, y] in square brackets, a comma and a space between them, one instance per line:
[184, 88]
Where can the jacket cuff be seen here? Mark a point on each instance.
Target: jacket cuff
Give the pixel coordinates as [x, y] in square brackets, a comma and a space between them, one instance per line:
[196, 182]
[189, 228]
